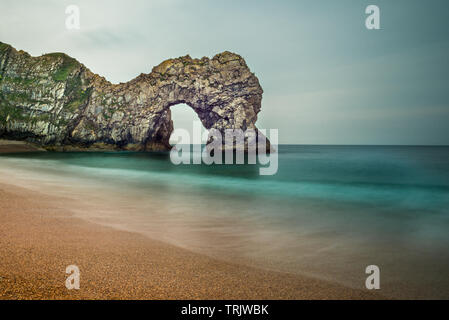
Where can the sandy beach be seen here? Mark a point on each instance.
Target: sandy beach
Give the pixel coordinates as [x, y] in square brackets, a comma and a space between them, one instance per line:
[17, 146]
[38, 241]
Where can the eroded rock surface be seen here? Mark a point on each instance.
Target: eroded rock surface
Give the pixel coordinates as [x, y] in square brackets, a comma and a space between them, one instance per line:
[57, 102]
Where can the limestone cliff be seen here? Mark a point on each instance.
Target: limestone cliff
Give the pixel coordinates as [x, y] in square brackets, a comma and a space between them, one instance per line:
[55, 101]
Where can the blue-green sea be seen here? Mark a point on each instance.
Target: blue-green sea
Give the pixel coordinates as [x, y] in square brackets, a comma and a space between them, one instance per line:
[329, 212]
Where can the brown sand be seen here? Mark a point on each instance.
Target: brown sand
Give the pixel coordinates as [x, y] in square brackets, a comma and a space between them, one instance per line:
[38, 242]
[17, 146]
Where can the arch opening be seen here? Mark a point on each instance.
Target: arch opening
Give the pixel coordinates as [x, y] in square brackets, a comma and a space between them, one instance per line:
[183, 117]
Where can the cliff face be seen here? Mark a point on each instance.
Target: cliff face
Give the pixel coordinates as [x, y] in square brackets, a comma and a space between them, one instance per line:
[57, 102]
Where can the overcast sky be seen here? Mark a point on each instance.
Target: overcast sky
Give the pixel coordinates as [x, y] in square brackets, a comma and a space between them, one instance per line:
[327, 79]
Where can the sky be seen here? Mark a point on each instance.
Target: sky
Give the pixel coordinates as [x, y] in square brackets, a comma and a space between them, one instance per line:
[327, 79]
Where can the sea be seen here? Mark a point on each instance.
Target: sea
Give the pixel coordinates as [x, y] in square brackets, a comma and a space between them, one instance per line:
[329, 212]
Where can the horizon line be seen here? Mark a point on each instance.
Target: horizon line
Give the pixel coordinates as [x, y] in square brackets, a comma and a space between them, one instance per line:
[345, 145]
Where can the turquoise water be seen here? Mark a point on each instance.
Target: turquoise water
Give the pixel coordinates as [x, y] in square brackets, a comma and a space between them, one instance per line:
[329, 212]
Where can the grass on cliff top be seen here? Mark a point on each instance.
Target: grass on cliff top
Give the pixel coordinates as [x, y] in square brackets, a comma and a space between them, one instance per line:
[68, 65]
[3, 46]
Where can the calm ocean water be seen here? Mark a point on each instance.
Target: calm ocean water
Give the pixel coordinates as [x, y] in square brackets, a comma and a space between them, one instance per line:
[329, 212]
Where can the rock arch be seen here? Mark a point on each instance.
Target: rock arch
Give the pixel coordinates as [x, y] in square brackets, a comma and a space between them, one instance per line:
[79, 108]
[222, 91]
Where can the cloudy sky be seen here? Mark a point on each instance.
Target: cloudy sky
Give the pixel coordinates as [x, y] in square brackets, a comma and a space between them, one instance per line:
[327, 79]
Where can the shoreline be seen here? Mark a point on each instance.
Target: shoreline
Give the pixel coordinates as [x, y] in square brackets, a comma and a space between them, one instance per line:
[39, 241]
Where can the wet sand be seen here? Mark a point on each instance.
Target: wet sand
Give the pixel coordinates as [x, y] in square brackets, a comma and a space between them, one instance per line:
[38, 241]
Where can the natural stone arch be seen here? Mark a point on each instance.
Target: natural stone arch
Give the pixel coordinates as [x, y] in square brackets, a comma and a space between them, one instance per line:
[222, 91]
[88, 111]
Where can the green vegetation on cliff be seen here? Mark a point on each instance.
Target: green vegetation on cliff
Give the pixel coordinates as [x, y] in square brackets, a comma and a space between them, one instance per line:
[4, 46]
[31, 100]
[68, 65]
[8, 111]
[77, 95]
